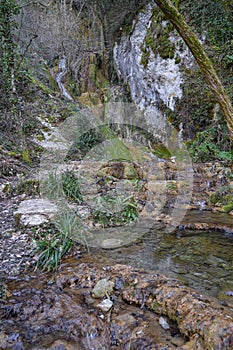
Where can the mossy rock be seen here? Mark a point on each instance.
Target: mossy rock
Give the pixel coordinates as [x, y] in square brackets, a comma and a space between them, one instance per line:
[130, 172]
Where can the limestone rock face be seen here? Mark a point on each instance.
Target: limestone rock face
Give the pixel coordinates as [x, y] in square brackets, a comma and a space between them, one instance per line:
[34, 212]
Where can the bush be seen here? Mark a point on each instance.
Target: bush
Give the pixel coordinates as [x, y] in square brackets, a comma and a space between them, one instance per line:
[223, 198]
[57, 241]
[207, 146]
[55, 186]
[115, 211]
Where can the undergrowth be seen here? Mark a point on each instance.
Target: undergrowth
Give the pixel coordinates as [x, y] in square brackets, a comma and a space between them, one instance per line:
[115, 211]
[223, 197]
[57, 240]
[209, 145]
[56, 186]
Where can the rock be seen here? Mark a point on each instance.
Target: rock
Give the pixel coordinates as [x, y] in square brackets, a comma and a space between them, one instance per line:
[105, 305]
[34, 212]
[178, 341]
[111, 243]
[229, 293]
[102, 288]
[126, 319]
[163, 323]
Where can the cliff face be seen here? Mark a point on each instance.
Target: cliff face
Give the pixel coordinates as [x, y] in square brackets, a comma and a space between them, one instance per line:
[149, 55]
[161, 71]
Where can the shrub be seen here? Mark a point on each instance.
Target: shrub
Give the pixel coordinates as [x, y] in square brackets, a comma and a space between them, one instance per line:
[223, 197]
[55, 243]
[56, 186]
[116, 211]
[207, 146]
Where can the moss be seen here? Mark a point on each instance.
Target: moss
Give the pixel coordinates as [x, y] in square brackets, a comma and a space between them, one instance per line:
[14, 154]
[29, 187]
[26, 156]
[8, 189]
[228, 208]
[52, 119]
[145, 58]
[157, 39]
[41, 86]
[90, 99]
[222, 198]
[177, 59]
[52, 82]
[38, 149]
[40, 137]
[161, 151]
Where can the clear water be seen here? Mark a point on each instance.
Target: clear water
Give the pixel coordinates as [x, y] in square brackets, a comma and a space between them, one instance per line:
[201, 259]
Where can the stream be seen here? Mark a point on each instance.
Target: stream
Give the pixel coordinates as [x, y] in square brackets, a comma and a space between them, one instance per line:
[57, 311]
[201, 259]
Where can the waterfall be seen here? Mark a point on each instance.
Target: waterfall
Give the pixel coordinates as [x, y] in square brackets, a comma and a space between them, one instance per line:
[62, 72]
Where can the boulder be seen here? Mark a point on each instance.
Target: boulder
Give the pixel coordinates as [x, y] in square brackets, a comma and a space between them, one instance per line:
[33, 212]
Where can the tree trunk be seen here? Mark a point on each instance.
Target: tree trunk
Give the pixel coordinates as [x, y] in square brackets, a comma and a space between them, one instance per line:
[201, 57]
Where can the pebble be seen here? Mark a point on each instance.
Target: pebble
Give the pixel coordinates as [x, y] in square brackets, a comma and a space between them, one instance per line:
[105, 305]
[163, 323]
[229, 293]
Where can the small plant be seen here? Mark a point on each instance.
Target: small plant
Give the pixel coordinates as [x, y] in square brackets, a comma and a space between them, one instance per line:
[70, 186]
[84, 144]
[115, 211]
[57, 242]
[223, 198]
[67, 183]
[207, 146]
[52, 186]
[51, 251]
[171, 185]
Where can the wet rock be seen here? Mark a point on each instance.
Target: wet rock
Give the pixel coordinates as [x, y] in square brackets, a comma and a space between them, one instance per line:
[105, 305]
[102, 288]
[111, 243]
[33, 212]
[47, 315]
